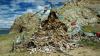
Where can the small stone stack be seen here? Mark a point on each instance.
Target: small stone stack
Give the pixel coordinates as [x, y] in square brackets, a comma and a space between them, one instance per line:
[51, 35]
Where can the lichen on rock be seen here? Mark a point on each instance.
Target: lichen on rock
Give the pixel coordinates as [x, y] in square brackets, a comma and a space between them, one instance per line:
[27, 22]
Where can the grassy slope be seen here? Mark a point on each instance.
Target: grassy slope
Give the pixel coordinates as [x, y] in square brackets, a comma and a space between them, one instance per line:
[6, 41]
[5, 47]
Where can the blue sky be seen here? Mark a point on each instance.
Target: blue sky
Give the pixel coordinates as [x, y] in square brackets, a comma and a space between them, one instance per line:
[9, 9]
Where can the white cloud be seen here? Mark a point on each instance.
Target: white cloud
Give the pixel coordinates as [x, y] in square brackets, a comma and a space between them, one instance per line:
[4, 12]
[5, 23]
[29, 0]
[40, 2]
[37, 2]
[14, 5]
[56, 1]
[30, 10]
[40, 7]
[18, 1]
[4, 6]
[5, 9]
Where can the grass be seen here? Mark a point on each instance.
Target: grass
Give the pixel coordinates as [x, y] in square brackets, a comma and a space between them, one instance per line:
[5, 47]
[90, 43]
[89, 28]
[6, 42]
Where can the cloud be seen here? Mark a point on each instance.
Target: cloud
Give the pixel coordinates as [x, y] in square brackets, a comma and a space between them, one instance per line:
[37, 2]
[9, 9]
[30, 10]
[56, 1]
[40, 7]
[12, 8]
[5, 23]
[2, 2]
[6, 11]
[3, 7]
[18, 1]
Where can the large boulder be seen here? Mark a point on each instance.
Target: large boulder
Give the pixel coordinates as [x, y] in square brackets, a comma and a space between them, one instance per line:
[76, 15]
[27, 22]
[92, 4]
[83, 15]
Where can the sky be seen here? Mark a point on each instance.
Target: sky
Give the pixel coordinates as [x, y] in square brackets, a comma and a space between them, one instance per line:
[10, 9]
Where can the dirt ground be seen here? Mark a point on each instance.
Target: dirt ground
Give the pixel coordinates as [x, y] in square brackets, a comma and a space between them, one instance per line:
[83, 51]
[5, 46]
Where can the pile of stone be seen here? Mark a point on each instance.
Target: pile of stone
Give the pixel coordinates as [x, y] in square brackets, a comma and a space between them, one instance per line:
[59, 32]
[51, 36]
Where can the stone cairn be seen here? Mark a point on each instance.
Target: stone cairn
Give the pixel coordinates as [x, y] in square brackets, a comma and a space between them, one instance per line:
[51, 36]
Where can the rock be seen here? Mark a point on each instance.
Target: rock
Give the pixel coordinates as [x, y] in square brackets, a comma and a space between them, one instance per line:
[27, 22]
[83, 15]
[75, 16]
[32, 50]
[89, 34]
[52, 32]
[51, 36]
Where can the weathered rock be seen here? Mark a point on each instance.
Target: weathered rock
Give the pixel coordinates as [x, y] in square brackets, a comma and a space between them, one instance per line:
[83, 15]
[52, 34]
[75, 16]
[27, 22]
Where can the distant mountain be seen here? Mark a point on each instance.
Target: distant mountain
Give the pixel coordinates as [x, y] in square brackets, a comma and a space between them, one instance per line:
[4, 30]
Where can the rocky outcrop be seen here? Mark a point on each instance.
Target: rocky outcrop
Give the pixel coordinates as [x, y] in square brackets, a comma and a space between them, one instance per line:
[83, 15]
[51, 37]
[78, 14]
[92, 4]
[51, 33]
[27, 22]
[59, 32]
